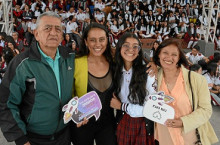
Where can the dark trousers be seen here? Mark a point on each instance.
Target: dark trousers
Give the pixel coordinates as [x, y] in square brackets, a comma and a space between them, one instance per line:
[86, 134]
[60, 138]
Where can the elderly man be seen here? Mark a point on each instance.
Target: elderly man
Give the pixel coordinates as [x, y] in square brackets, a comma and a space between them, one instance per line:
[37, 84]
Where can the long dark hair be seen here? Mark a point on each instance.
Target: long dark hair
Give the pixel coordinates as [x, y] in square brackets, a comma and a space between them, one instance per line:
[165, 43]
[211, 68]
[84, 49]
[137, 87]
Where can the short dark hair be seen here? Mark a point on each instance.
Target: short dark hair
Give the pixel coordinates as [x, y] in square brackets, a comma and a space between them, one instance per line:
[165, 43]
[196, 47]
[195, 67]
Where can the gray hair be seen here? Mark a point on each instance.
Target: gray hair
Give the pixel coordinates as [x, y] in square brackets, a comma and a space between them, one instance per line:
[49, 13]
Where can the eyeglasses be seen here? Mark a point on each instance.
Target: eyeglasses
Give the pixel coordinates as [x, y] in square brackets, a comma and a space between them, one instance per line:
[134, 47]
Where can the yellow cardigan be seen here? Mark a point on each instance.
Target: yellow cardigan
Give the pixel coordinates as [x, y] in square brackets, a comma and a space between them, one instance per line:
[202, 105]
[80, 76]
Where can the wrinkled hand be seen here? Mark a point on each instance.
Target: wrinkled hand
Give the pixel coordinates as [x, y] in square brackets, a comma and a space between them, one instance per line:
[174, 123]
[115, 103]
[152, 69]
[28, 143]
[85, 121]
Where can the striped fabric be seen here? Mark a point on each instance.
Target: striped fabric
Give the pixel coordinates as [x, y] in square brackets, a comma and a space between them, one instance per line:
[132, 131]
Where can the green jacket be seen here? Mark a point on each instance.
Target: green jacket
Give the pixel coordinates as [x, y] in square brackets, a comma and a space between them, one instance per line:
[29, 98]
[202, 105]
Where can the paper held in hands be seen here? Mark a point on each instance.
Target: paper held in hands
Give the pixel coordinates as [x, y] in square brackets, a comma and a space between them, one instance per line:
[86, 106]
[156, 108]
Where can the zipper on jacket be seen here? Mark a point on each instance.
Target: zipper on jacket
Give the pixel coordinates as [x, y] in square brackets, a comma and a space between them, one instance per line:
[53, 136]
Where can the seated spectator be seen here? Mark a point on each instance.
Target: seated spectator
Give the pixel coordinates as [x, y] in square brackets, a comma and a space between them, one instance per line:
[38, 10]
[156, 31]
[210, 75]
[27, 15]
[99, 16]
[196, 68]
[73, 46]
[71, 12]
[111, 16]
[115, 31]
[30, 34]
[165, 31]
[18, 41]
[2, 39]
[80, 17]
[191, 36]
[18, 27]
[115, 6]
[67, 39]
[50, 4]
[5, 59]
[141, 28]
[184, 21]
[194, 56]
[40, 3]
[99, 5]
[152, 51]
[12, 45]
[72, 29]
[60, 4]
[17, 12]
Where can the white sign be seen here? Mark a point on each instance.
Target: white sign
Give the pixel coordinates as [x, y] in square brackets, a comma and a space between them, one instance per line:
[157, 110]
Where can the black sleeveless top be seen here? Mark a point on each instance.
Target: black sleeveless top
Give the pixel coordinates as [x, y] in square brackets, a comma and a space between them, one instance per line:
[103, 86]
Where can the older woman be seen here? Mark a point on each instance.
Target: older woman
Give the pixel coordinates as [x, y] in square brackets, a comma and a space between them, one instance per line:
[191, 104]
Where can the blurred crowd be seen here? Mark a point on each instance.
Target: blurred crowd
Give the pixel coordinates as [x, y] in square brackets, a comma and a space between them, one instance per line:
[157, 19]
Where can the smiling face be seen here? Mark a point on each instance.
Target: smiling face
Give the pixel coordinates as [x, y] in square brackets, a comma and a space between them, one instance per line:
[130, 50]
[169, 57]
[96, 41]
[49, 32]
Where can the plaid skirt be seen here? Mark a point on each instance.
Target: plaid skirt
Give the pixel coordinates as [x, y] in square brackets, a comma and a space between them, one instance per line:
[132, 131]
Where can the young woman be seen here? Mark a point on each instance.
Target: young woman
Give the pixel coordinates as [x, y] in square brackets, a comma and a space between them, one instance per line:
[93, 72]
[155, 46]
[115, 31]
[132, 85]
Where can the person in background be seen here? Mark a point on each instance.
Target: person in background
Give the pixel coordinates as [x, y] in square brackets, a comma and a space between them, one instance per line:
[194, 56]
[18, 41]
[5, 59]
[67, 39]
[99, 16]
[211, 75]
[192, 104]
[196, 68]
[155, 46]
[132, 86]
[32, 92]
